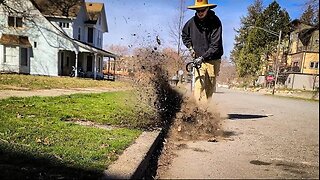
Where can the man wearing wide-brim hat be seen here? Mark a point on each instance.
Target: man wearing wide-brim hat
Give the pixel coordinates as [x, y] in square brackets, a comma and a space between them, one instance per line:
[202, 35]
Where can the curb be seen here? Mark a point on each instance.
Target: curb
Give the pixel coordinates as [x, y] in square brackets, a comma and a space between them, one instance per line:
[134, 161]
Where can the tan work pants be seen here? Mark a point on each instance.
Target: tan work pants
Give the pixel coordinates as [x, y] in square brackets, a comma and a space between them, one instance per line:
[205, 82]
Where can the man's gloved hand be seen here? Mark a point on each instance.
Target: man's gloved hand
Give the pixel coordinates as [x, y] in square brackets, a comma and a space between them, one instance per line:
[192, 52]
[197, 62]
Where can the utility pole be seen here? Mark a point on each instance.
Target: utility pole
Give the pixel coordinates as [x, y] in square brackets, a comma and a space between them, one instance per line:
[276, 66]
[276, 63]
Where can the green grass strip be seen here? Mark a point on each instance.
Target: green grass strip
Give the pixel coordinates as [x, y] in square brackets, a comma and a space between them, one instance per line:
[12, 81]
[36, 127]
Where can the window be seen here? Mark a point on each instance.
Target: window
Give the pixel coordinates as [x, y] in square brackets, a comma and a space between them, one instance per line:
[311, 64]
[18, 22]
[79, 34]
[89, 63]
[61, 59]
[24, 57]
[314, 65]
[11, 21]
[14, 21]
[4, 54]
[35, 44]
[99, 64]
[90, 35]
[9, 54]
[64, 24]
[295, 67]
[99, 39]
[68, 61]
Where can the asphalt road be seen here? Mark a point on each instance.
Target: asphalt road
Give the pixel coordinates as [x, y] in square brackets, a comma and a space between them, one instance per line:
[269, 137]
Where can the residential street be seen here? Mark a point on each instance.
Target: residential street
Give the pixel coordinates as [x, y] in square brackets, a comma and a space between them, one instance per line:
[269, 137]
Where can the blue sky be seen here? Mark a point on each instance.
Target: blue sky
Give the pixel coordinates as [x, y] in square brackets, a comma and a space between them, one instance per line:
[138, 22]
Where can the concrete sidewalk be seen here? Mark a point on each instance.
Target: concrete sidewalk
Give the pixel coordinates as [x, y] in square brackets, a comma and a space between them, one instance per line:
[134, 161]
[54, 92]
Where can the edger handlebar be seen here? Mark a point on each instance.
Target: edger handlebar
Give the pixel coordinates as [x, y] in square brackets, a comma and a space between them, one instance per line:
[191, 65]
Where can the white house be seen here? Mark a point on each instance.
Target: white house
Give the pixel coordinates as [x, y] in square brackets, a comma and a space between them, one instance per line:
[48, 37]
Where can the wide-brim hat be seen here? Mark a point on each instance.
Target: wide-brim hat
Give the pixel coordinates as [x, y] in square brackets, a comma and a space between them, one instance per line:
[201, 4]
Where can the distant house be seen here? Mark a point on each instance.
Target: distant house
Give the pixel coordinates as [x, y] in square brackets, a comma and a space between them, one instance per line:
[303, 54]
[48, 37]
[303, 57]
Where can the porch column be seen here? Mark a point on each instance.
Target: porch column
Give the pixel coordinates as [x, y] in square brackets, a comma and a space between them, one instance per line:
[114, 68]
[109, 66]
[76, 65]
[95, 66]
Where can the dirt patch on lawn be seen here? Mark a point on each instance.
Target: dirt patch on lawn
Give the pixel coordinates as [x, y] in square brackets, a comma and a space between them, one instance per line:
[90, 124]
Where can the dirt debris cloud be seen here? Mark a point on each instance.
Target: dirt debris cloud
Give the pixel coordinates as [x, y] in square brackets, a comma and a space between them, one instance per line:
[174, 108]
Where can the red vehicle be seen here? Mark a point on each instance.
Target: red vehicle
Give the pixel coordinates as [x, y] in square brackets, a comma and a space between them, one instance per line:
[270, 78]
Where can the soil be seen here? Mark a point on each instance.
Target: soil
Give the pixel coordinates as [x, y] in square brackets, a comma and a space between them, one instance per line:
[192, 123]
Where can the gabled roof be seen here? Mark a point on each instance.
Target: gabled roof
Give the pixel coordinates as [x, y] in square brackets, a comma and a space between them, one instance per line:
[94, 10]
[306, 34]
[297, 25]
[59, 8]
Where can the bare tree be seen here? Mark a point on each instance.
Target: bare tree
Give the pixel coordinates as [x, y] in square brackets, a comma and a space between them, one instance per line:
[52, 7]
[175, 28]
[24, 10]
[310, 14]
[122, 52]
[16, 7]
[227, 72]
[313, 6]
[173, 62]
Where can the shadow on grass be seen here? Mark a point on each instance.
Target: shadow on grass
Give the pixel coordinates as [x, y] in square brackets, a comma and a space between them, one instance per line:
[16, 163]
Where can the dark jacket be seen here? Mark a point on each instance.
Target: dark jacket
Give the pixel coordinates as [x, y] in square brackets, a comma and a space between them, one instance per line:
[205, 36]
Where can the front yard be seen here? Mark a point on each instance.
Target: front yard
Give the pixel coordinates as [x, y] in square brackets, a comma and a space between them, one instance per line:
[40, 137]
[29, 82]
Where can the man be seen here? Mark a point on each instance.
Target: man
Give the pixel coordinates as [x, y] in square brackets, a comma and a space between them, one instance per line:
[202, 35]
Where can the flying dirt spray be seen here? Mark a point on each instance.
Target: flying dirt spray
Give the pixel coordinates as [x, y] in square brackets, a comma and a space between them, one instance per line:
[176, 108]
[177, 113]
